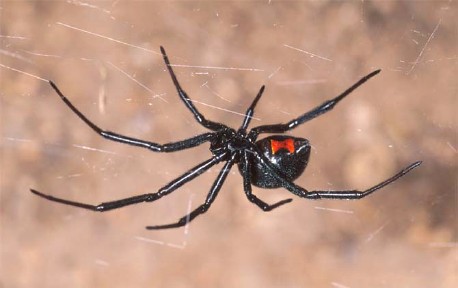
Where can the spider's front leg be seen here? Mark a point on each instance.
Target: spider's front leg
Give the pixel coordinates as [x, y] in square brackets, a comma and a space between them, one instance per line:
[187, 101]
[315, 112]
[170, 147]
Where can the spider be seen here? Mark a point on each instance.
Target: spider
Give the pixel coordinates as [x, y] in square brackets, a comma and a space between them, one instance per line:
[271, 162]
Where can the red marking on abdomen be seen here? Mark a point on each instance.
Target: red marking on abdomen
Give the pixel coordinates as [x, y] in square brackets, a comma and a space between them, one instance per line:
[287, 144]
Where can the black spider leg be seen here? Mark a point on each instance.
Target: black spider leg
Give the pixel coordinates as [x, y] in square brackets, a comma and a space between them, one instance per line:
[248, 191]
[317, 111]
[250, 111]
[167, 189]
[246, 174]
[187, 101]
[332, 194]
[170, 147]
[208, 201]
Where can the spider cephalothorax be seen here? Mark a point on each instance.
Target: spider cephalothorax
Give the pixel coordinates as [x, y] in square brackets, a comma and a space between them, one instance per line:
[225, 140]
[271, 162]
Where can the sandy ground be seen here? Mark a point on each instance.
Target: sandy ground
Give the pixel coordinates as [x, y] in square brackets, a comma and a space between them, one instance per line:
[105, 57]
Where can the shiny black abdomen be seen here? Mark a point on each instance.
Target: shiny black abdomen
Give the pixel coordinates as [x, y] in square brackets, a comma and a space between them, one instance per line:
[288, 154]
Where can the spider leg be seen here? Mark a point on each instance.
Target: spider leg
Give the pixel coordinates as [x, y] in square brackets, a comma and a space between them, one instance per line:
[149, 197]
[350, 194]
[170, 147]
[187, 101]
[208, 201]
[247, 187]
[250, 111]
[317, 111]
[337, 194]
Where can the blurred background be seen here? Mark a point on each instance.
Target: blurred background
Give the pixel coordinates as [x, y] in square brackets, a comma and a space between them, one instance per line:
[105, 58]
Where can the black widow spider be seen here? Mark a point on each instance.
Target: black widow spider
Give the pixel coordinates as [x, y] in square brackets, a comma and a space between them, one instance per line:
[271, 162]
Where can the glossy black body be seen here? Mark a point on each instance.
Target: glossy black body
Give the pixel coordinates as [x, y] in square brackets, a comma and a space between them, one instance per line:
[257, 165]
[290, 165]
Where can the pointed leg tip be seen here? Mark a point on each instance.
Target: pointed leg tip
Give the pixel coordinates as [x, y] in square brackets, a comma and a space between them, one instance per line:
[412, 166]
[160, 227]
[286, 201]
[162, 50]
[373, 73]
[38, 193]
[182, 222]
[35, 192]
[416, 164]
[54, 86]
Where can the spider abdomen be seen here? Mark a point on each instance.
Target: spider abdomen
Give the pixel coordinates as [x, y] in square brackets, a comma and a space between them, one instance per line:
[288, 154]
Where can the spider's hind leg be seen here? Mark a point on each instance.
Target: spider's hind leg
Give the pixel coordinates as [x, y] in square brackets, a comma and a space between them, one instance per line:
[340, 194]
[337, 194]
[356, 194]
